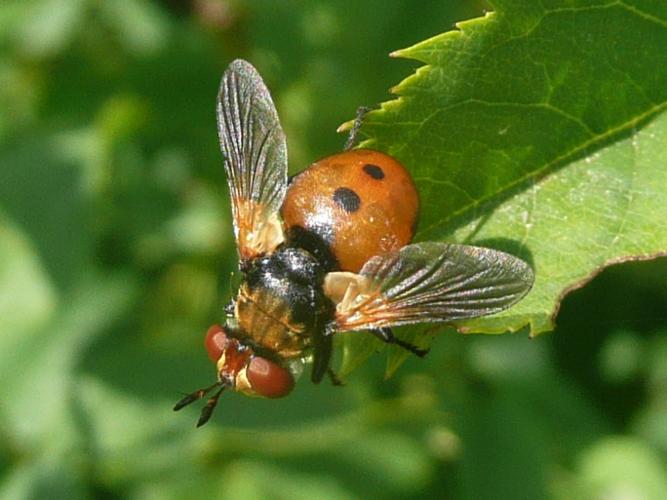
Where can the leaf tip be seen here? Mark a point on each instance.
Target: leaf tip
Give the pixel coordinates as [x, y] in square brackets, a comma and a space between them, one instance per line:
[398, 53]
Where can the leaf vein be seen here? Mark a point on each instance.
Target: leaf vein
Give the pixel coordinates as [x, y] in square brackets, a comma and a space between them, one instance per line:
[641, 13]
[543, 170]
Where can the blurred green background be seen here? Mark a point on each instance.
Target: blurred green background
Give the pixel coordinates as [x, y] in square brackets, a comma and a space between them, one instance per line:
[116, 252]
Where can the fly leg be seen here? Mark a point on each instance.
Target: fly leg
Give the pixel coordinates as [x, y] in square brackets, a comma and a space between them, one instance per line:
[385, 334]
[322, 352]
[362, 111]
[334, 378]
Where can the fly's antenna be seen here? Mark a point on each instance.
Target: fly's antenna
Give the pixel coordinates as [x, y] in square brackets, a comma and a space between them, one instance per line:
[207, 411]
[194, 396]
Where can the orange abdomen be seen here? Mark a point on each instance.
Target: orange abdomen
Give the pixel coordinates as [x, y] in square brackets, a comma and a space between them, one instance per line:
[362, 203]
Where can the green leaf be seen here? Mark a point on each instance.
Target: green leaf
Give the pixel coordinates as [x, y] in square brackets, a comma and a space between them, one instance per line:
[50, 26]
[139, 25]
[537, 130]
[250, 480]
[125, 426]
[38, 366]
[621, 467]
[35, 171]
[27, 296]
[50, 477]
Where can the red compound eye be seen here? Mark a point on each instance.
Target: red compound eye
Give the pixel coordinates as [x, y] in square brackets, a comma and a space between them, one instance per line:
[269, 379]
[215, 342]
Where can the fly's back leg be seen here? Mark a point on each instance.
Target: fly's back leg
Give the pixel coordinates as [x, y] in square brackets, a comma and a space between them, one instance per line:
[385, 334]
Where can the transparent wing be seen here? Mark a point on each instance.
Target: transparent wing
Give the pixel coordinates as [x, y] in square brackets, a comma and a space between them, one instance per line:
[253, 144]
[428, 282]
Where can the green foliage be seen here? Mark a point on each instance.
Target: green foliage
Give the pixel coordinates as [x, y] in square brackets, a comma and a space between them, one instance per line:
[536, 129]
[525, 131]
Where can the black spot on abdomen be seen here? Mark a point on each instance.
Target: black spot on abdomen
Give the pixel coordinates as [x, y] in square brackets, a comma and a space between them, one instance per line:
[374, 171]
[347, 199]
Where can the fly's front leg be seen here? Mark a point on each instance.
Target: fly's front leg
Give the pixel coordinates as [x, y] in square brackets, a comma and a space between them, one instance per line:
[322, 353]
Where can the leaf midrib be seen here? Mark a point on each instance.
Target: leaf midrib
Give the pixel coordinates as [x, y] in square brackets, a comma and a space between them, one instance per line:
[543, 171]
[561, 160]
